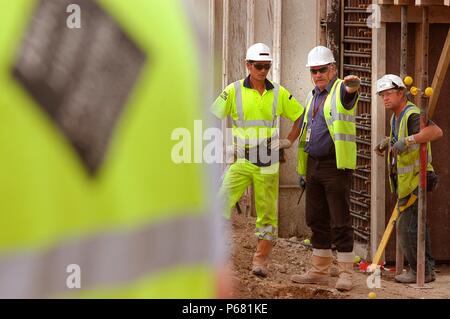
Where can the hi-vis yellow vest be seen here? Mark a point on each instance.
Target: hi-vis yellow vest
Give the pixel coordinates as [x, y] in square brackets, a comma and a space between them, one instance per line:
[341, 125]
[91, 203]
[252, 132]
[408, 163]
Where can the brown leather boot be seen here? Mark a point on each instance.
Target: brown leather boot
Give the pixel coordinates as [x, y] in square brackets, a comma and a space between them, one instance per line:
[261, 257]
[318, 274]
[344, 282]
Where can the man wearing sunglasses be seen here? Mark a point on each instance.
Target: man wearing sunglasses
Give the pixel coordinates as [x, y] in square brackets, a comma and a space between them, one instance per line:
[404, 170]
[327, 157]
[254, 104]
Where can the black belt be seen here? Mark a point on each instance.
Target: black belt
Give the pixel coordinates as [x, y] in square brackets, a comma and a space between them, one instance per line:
[249, 155]
[323, 158]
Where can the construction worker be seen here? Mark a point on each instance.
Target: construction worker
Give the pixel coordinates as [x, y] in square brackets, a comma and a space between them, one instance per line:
[326, 158]
[403, 162]
[254, 104]
[92, 204]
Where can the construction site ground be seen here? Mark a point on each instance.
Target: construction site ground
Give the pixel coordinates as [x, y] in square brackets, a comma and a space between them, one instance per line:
[291, 256]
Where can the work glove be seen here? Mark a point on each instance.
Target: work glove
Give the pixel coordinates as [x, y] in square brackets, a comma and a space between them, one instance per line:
[233, 152]
[402, 145]
[230, 154]
[280, 144]
[302, 182]
[382, 146]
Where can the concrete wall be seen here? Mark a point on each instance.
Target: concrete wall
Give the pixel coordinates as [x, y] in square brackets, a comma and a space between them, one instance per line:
[298, 36]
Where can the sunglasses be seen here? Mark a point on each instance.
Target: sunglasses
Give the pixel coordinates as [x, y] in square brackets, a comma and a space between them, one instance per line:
[321, 70]
[260, 66]
[387, 92]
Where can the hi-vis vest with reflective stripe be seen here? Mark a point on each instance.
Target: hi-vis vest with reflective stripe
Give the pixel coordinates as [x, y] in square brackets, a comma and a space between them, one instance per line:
[252, 132]
[140, 226]
[408, 163]
[341, 125]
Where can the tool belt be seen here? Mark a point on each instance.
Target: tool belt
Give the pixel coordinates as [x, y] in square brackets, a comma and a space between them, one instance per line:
[261, 155]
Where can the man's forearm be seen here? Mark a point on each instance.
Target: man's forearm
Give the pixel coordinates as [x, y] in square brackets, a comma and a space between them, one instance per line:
[295, 130]
[428, 134]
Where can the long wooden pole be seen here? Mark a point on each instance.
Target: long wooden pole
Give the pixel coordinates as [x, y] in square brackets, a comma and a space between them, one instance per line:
[423, 155]
[403, 72]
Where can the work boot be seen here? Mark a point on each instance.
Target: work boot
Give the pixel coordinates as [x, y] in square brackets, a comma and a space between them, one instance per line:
[317, 274]
[344, 281]
[260, 258]
[410, 277]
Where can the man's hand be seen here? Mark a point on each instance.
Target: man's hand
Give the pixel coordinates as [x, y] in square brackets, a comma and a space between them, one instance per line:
[230, 154]
[400, 146]
[302, 182]
[352, 83]
[280, 144]
[382, 146]
[285, 143]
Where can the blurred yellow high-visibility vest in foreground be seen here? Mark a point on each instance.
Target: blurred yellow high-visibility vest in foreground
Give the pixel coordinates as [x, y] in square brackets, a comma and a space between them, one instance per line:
[91, 203]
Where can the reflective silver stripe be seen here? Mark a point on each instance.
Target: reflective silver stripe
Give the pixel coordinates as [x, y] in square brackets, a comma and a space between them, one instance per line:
[330, 122]
[239, 107]
[265, 229]
[344, 137]
[344, 117]
[333, 103]
[240, 122]
[334, 113]
[410, 168]
[276, 93]
[109, 259]
[249, 123]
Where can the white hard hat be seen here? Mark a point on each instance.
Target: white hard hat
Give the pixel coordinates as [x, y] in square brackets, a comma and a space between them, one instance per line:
[389, 81]
[320, 56]
[259, 52]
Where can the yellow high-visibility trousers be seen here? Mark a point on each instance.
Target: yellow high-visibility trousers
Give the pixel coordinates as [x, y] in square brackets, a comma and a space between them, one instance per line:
[265, 184]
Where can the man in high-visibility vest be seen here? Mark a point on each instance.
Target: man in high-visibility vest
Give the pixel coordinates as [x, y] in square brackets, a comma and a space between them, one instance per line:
[92, 204]
[404, 169]
[327, 157]
[254, 104]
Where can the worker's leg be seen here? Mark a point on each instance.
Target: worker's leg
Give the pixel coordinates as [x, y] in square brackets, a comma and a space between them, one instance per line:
[407, 224]
[236, 180]
[337, 188]
[317, 213]
[318, 219]
[265, 181]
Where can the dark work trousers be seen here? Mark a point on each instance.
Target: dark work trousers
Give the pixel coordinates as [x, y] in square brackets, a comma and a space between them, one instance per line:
[328, 205]
[407, 224]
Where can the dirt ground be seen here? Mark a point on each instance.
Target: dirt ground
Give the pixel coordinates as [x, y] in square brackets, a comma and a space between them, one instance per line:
[291, 256]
